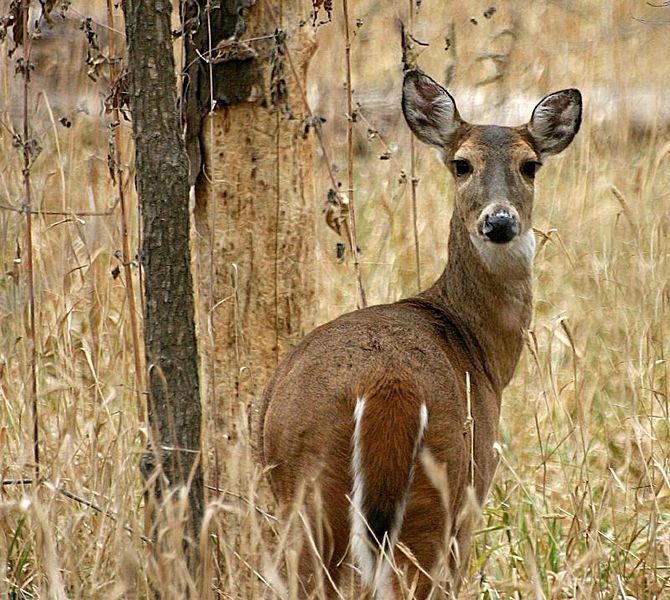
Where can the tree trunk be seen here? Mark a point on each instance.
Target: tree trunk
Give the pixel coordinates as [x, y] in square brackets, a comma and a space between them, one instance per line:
[255, 207]
[162, 183]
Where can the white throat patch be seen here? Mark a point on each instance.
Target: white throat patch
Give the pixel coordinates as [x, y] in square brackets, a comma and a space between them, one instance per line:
[509, 257]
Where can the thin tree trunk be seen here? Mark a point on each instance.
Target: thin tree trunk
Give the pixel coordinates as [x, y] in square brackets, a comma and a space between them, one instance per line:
[162, 182]
[251, 159]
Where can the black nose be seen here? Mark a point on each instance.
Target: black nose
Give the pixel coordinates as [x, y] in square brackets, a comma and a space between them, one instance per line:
[500, 227]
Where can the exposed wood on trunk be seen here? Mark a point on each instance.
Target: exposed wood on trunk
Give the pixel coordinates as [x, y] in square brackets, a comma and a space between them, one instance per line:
[255, 207]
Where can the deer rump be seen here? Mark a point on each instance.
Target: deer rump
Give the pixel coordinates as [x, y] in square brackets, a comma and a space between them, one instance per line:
[353, 406]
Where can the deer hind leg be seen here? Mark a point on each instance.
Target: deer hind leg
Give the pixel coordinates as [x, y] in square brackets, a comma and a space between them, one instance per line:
[419, 551]
[324, 546]
[313, 546]
[326, 562]
[437, 552]
[460, 555]
[318, 575]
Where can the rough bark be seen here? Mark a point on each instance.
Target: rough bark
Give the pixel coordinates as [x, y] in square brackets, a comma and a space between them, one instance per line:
[251, 159]
[162, 183]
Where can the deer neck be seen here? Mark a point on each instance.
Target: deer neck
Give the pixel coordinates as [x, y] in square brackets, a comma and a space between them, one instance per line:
[486, 291]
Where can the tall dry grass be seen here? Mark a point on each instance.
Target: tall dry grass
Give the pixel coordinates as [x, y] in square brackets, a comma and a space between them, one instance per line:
[580, 505]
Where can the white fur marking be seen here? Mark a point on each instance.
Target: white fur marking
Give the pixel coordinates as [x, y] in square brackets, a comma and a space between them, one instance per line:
[383, 587]
[423, 424]
[509, 257]
[360, 548]
[402, 506]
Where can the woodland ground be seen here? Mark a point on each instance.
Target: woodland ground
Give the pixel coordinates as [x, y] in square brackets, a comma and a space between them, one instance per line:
[580, 507]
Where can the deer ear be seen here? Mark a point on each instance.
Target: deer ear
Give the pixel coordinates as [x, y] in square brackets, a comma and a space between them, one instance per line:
[555, 121]
[429, 109]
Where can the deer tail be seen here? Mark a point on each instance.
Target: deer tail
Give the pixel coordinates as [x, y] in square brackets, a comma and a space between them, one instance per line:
[390, 420]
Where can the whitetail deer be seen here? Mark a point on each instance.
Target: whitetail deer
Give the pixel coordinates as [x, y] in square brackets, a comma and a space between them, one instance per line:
[353, 406]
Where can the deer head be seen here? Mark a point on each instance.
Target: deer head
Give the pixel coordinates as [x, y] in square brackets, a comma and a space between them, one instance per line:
[494, 167]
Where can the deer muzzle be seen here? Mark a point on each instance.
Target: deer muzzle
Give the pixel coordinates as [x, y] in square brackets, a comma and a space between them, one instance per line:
[499, 225]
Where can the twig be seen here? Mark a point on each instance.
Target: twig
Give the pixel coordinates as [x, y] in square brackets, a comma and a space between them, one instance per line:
[17, 482]
[278, 122]
[351, 213]
[652, 21]
[389, 154]
[125, 241]
[241, 498]
[81, 15]
[413, 180]
[319, 136]
[211, 245]
[81, 500]
[206, 56]
[103, 511]
[470, 427]
[624, 205]
[60, 213]
[303, 98]
[27, 160]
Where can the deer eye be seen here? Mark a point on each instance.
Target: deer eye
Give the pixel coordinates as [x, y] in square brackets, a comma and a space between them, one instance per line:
[529, 168]
[461, 167]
